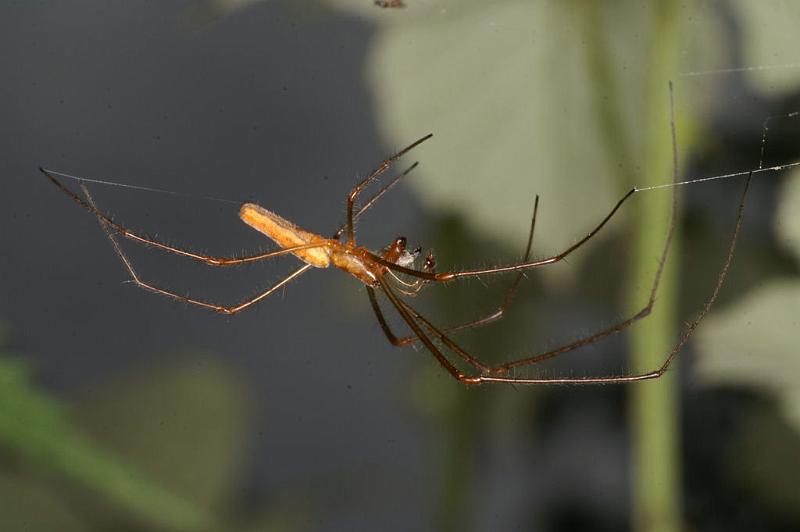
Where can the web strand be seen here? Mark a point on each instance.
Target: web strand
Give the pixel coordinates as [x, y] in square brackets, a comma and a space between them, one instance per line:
[759, 170]
[734, 70]
[144, 189]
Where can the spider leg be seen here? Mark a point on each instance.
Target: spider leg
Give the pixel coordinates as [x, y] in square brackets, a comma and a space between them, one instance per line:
[424, 338]
[410, 289]
[210, 260]
[414, 288]
[500, 311]
[351, 198]
[621, 325]
[648, 307]
[111, 225]
[654, 374]
[339, 232]
[376, 308]
[498, 373]
[408, 293]
[411, 316]
[525, 265]
[223, 309]
[458, 350]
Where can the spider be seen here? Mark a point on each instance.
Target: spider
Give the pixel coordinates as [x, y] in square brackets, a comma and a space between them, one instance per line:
[379, 271]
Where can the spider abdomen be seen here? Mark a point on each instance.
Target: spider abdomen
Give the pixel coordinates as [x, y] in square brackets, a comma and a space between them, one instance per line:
[286, 234]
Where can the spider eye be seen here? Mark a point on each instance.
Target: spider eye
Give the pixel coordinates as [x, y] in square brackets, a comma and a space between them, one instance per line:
[400, 242]
[430, 262]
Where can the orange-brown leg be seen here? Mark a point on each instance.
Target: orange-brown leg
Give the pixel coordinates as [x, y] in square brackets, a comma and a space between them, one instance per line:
[111, 225]
[223, 309]
[509, 297]
[423, 337]
[500, 373]
[351, 198]
[522, 266]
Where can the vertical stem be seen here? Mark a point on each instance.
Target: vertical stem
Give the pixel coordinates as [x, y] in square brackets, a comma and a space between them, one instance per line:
[655, 405]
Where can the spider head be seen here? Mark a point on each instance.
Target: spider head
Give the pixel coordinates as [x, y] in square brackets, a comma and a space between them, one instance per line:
[396, 249]
[396, 252]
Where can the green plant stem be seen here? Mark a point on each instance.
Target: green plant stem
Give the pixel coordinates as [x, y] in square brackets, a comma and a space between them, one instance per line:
[655, 405]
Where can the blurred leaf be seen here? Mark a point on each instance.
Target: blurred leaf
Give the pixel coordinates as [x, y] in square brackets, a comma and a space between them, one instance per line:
[787, 219]
[34, 428]
[754, 343]
[508, 132]
[22, 499]
[526, 98]
[770, 39]
[185, 424]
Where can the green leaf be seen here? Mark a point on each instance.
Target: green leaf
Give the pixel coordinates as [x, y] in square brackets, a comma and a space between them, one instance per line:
[507, 116]
[184, 423]
[36, 430]
[770, 42]
[754, 343]
[787, 218]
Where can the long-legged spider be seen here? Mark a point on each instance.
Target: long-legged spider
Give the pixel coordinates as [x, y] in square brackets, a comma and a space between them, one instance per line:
[377, 271]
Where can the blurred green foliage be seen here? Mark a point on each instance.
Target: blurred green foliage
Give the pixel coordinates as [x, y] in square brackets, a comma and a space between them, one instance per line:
[161, 449]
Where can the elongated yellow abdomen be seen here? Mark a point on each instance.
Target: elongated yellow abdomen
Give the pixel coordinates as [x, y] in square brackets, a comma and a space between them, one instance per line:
[286, 234]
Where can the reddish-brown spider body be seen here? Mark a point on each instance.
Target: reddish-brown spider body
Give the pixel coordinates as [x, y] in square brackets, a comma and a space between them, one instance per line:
[348, 257]
[392, 271]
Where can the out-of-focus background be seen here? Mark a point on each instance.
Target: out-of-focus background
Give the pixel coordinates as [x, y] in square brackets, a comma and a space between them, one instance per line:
[123, 410]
